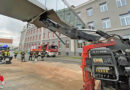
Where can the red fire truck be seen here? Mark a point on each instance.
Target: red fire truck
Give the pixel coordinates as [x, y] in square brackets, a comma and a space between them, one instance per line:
[50, 50]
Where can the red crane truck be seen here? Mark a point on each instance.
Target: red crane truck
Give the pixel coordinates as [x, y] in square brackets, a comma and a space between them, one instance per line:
[107, 60]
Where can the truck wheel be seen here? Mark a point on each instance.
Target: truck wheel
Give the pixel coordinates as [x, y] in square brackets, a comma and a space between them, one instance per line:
[106, 86]
[54, 56]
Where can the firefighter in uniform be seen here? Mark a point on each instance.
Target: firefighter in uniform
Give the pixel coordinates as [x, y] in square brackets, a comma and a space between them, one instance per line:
[15, 54]
[42, 55]
[30, 55]
[23, 56]
[2, 54]
[6, 54]
[36, 56]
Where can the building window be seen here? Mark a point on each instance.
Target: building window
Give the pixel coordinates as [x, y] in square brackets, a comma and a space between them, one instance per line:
[25, 39]
[121, 3]
[106, 23]
[43, 35]
[53, 34]
[91, 25]
[48, 34]
[125, 19]
[67, 43]
[79, 26]
[40, 37]
[36, 37]
[103, 7]
[33, 38]
[28, 32]
[68, 17]
[59, 44]
[79, 14]
[127, 37]
[90, 12]
[30, 39]
[31, 31]
[81, 43]
[40, 30]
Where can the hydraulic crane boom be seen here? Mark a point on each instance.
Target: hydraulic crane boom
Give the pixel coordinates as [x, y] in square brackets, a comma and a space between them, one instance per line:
[65, 29]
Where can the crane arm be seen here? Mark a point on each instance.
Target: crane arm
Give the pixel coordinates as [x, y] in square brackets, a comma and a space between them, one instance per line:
[65, 29]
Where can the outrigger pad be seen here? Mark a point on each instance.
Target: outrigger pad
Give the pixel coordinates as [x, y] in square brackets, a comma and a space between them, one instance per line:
[1, 60]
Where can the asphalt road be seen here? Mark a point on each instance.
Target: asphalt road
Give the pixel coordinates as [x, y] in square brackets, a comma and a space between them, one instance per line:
[68, 60]
[41, 75]
[62, 59]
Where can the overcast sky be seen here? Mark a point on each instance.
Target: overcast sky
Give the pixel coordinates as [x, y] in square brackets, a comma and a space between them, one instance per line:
[11, 28]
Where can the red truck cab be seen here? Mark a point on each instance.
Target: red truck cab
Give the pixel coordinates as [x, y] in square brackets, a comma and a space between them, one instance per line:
[50, 50]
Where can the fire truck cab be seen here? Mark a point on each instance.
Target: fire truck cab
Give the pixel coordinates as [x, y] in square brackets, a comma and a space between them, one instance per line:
[50, 50]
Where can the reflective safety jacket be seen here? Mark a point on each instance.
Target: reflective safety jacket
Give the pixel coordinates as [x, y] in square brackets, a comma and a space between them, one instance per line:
[15, 52]
[6, 53]
[22, 54]
[2, 53]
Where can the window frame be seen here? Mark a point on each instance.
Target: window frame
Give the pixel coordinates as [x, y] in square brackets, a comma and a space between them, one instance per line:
[67, 44]
[79, 14]
[102, 7]
[68, 17]
[79, 26]
[89, 23]
[126, 22]
[121, 4]
[106, 23]
[90, 12]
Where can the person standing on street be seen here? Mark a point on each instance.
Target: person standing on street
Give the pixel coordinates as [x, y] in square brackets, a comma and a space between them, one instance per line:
[6, 54]
[30, 55]
[23, 56]
[2, 54]
[42, 55]
[15, 54]
[36, 56]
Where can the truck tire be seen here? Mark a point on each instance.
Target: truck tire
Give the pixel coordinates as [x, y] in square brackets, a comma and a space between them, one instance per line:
[129, 82]
[54, 56]
[105, 86]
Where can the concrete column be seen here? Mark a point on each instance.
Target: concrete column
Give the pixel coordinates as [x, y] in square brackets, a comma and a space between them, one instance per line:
[72, 48]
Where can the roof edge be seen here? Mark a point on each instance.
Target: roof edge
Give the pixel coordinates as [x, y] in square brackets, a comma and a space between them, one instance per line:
[81, 5]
